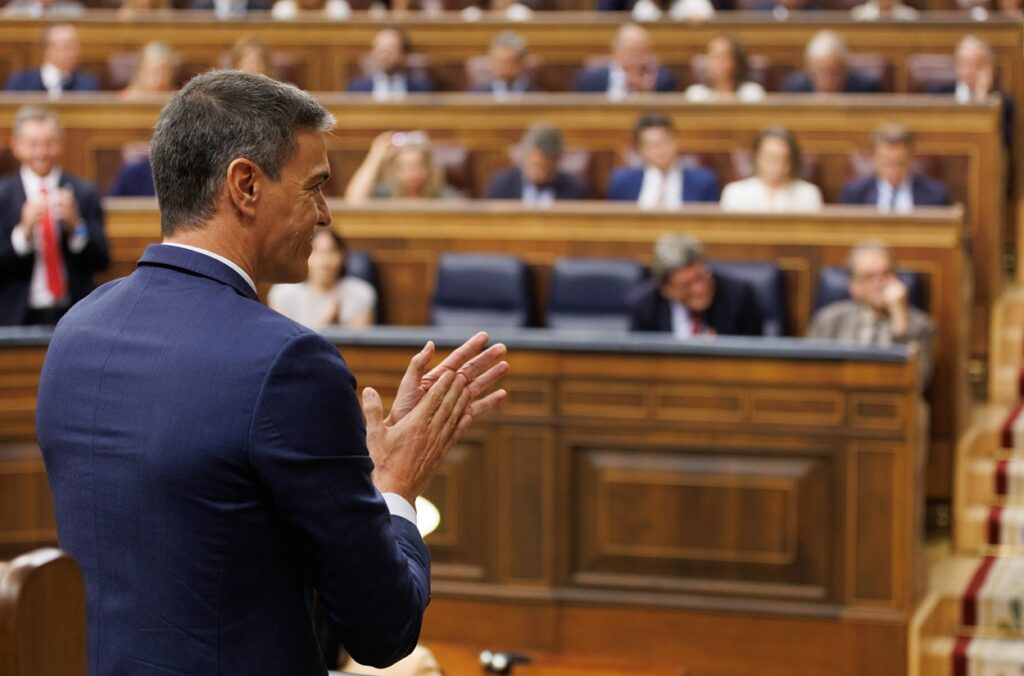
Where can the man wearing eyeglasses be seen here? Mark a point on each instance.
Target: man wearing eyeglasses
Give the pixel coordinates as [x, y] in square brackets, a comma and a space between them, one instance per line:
[877, 312]
[688, 299]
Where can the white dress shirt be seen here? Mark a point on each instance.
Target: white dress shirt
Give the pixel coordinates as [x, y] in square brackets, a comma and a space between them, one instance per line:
[900, 199]
[52, 79]
[397, 505]
[660, 190]
[389, 87]
[39, 296]
[682, 324]
[751, 194]
[537, 197]
[617, 89]
[746, 93]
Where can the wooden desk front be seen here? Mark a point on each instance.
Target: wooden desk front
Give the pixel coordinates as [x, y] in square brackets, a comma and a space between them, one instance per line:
[97, 127]
[406, 242]
[631, 490]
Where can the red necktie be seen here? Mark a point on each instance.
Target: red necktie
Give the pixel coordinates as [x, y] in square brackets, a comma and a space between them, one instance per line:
[697, 325]
[51, 250]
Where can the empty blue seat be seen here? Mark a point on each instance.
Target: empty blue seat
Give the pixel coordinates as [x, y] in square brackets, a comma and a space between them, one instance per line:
[360, 264]
[481, 291]
[768, 284]
[834, 285]
[591, 293]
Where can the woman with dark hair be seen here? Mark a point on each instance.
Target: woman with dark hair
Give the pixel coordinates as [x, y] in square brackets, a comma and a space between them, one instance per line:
[727, 74]
[327, 297]
[775, 185]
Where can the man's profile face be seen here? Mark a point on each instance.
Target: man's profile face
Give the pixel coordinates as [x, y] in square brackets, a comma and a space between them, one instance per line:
[37, 145]
[827, 73]
[870, 274]
[538, 168]
[63, 48]
[693, 287]
[387, 52]
[657, 147]
[892, 162]
[506, 64]
[292, 209]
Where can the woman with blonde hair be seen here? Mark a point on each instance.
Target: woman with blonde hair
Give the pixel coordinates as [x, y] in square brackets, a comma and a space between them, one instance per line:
[399, 166]
[156, 72]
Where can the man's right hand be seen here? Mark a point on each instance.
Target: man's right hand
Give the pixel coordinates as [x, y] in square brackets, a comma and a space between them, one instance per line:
[430, 414]
[31, 212]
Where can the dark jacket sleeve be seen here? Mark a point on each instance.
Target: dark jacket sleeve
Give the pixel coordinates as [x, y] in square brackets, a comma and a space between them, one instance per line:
[96, 254]
[618, 189]
[12, 266]
[308, 447]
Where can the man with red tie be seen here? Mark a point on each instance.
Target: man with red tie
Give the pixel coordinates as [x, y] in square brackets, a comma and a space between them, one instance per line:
[51, 227]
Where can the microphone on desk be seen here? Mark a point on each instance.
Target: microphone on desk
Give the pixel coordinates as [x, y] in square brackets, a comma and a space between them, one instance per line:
[501, 663]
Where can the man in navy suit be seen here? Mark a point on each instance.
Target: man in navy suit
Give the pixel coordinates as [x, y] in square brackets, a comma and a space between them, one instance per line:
[390, 77]
[51, 227]
[537, 181]
[507, 66]
[828, 72]
[687, 299]
[632, 68]
[894, 186]
[59, 72]
[207, 456]
[663, 182]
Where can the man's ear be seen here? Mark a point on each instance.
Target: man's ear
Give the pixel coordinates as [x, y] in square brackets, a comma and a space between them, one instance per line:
[242, 183]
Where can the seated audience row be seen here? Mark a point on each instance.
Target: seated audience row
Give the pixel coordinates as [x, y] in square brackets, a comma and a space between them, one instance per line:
[630, 68]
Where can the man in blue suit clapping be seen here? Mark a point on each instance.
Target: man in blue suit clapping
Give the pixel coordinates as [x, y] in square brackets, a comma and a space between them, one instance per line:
[662, 182]
[208, 458]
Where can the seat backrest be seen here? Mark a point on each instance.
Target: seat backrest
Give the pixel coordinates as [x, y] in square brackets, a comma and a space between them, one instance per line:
[767, 282]
[481, 291]
[42, 615]
[360, 264]
[834, 285]
[591, 293]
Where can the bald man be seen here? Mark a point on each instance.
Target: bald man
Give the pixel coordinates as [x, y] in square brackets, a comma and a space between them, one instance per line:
[632, 69]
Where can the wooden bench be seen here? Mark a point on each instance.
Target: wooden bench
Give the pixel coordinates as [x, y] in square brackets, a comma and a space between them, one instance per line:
[42, 616]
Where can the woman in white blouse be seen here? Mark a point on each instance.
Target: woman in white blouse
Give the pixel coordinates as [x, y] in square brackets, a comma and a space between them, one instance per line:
[774, 186]
[327, 297]
[727, 74]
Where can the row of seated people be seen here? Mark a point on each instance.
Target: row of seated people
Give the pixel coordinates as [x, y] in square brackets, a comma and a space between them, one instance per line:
[403, 165]
[516, 10]
[866, 303]
[391, 69]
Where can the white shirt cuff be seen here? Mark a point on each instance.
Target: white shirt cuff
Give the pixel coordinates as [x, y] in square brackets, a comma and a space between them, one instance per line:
[21, 245]
[399, 506]
[79, 240]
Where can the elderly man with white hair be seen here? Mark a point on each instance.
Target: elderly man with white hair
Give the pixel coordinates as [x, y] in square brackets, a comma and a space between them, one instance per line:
[827, 69]
[632, 68]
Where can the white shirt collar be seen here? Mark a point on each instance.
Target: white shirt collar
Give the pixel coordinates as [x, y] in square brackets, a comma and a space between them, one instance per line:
[963, 93]
[899, 199]
[231, 264]
[53, 79]
[32, 183]
[617, 88]
[659, 189]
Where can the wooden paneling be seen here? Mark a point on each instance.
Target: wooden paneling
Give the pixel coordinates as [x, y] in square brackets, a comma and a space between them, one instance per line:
[410, 239]
[557, 508]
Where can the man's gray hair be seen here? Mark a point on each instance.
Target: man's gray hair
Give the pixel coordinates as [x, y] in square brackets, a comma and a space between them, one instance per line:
[974, 41]
[216, 118]
[868, 246]
[673, 252]
[31, 113]
[545, 138]
[510, 40]
[825, 43]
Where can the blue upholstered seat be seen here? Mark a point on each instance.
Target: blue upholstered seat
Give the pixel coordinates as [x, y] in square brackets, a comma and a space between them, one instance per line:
[591, 293]
[767, 282]
[481, 291]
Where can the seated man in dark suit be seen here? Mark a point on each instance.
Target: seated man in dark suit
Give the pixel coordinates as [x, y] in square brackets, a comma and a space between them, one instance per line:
[975, 80]
[633, 68]
[390, 77]
[51, 227]
[59, 71]
[827, 71]
[688, 299]
[537, 181]
[663, 182]
[894, 186]
[507, 63]
[134, 179]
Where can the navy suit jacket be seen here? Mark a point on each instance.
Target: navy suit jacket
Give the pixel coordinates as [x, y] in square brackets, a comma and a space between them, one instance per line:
[856, 83]
[134, 179]
[209, 471]
[415, 84]
[733, 311]
[927, 192]
[596, 80]
[699, 184]
[32, 81]
[508, 185]
[16, 271]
